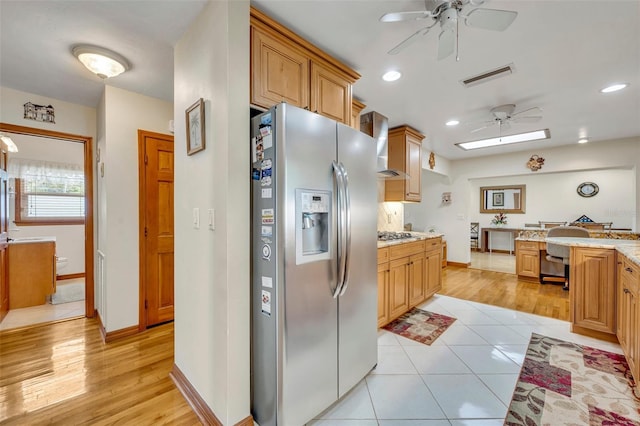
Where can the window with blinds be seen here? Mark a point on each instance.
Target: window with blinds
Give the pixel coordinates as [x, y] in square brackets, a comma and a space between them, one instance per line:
[50, 200]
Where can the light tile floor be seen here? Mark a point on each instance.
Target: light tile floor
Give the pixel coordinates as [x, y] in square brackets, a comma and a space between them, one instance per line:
[465, 378]
[43, 313]
[498, 262]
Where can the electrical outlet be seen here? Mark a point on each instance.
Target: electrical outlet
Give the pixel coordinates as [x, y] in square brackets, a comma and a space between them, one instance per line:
[388, 217]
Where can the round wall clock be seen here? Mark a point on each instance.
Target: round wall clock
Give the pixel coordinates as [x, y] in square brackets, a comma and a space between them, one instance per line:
[588, 189]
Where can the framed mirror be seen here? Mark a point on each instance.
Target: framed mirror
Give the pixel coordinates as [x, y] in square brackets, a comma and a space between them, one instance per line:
[506, 199]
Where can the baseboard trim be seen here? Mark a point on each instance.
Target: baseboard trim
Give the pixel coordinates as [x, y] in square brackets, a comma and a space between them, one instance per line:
[70, 276]
[110, 336]
[459, 264]
[202, 410]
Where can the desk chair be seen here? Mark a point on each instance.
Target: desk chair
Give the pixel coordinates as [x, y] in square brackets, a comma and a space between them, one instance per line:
[549, 225]
[475, 233]
[560, 254]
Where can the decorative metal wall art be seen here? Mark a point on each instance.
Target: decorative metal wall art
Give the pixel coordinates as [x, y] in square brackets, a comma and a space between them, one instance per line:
[535, 163]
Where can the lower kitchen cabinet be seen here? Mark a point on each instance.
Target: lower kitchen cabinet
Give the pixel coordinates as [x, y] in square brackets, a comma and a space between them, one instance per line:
[408, 274]
[592, 291]
[628, 314]
[383, 292]
[528, 259]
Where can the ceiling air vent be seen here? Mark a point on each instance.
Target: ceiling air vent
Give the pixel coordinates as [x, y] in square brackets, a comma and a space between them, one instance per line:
[489, 75]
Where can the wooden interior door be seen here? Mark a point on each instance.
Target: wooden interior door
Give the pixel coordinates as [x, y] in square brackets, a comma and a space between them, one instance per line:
[4, 226]
[156, 228]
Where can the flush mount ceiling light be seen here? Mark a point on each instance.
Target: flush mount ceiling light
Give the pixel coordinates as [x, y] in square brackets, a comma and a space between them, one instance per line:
[583, 140]
[452, 123]
[506, 140]
[100, 61]
[11, 145]
[391, 75]
[614, 87]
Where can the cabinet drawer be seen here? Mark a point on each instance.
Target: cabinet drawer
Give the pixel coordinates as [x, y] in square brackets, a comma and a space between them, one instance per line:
[527, 245]
[433, 244]
[406, 249]
[383, 255]
[631, 272]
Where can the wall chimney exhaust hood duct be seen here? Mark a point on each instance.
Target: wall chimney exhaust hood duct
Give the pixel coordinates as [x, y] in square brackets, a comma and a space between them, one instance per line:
[376, 125]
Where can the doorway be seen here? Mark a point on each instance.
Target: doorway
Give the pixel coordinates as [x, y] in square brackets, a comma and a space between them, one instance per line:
[87, 221]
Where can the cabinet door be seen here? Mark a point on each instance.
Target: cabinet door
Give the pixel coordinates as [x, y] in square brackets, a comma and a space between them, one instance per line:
[356, 109]
[434, 272]
[330, 94]
[398, 281]
[528, 263]
[592, 288]
[414, 168]
[278, 72]
[416, 279]
[383, 291]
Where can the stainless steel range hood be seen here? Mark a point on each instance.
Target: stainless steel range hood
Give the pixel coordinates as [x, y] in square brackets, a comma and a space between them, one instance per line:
[376, 125]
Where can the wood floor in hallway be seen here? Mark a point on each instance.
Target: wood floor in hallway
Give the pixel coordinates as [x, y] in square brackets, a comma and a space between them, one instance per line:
[64, 374]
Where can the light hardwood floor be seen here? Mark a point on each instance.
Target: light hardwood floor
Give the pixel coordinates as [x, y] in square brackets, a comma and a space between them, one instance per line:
[64, 374]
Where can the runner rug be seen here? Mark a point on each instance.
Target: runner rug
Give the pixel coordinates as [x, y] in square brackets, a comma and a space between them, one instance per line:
[563, 383]
[421, 326]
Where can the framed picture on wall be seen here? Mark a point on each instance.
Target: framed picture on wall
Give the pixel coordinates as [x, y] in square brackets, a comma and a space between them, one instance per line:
[195, 127]
[498, 199]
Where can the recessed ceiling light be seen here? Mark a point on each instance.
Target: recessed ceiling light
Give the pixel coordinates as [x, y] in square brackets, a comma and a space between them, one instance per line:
[614, 87]
[391, 75]
[506, 140]
[100, 61]
[583, 140]
[452, 123]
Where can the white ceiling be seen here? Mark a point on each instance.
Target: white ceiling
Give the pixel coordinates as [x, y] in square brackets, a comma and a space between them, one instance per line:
[563, 51]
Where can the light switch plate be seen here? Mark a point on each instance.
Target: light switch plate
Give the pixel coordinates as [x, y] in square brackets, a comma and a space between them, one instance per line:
[212, 219]
[196, 218]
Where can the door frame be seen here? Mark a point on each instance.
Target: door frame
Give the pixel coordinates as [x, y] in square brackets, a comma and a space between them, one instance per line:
[87, 141]
[142, 241]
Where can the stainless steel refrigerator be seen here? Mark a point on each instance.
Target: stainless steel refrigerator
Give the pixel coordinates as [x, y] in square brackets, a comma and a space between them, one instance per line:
[314, 276]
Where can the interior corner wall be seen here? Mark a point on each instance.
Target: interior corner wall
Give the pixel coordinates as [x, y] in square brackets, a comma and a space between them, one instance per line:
[124, 113]
[212, 317]
[100, 216]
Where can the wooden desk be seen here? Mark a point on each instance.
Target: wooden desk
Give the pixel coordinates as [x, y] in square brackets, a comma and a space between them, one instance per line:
[484, 233]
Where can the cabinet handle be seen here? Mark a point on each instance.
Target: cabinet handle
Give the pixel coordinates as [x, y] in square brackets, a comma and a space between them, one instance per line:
[626, 291]
[628, 269]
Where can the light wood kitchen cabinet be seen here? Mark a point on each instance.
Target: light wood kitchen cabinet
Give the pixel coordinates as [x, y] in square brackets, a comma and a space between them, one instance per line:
[32, 273]
[356, 109]
[433, 267]
[383, 292]
[528, 259]
[627, 327]
[405, 154]
[398, 286]
[285, 67]
[592, 291]
[417, 280]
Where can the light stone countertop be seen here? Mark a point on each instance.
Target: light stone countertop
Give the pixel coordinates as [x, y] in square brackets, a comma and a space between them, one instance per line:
[630, 248]
[27, 240]
[417, 236]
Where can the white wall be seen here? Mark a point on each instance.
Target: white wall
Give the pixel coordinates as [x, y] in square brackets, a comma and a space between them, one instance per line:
[69, 238]
[454, 219]
[124, 113]
[212, 267]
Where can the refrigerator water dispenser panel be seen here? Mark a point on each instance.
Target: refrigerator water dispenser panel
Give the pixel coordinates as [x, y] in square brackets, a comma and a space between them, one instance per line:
[312, 225]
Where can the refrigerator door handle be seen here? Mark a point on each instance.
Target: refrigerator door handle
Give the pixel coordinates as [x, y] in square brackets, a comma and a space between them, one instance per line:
[337, 172]
[347, 228]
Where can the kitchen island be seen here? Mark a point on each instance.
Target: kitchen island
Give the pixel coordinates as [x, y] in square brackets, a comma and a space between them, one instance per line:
[409, 272]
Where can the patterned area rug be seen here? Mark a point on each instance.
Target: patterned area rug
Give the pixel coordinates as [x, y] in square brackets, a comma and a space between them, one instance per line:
[563, 383]
[421, 326]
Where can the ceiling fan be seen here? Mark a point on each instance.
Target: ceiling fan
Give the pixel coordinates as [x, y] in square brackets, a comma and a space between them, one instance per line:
[504, 116]
[448, 14]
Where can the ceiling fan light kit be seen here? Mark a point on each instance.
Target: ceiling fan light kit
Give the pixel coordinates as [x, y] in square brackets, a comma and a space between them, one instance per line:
[448, 14]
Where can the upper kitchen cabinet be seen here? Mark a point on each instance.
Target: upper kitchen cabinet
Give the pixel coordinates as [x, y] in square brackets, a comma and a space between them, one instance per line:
[405, 154]
[356, 109]
[285, 67]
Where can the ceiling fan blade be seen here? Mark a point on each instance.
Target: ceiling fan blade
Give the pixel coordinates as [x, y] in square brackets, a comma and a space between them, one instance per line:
[408, 41]
[536, 109]
[446, 43]
[490, 19]
[486, 126]
[527, 119]
[405, 16]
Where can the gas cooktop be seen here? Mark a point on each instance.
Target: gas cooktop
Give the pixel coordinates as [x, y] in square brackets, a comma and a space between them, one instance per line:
[388, 236]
